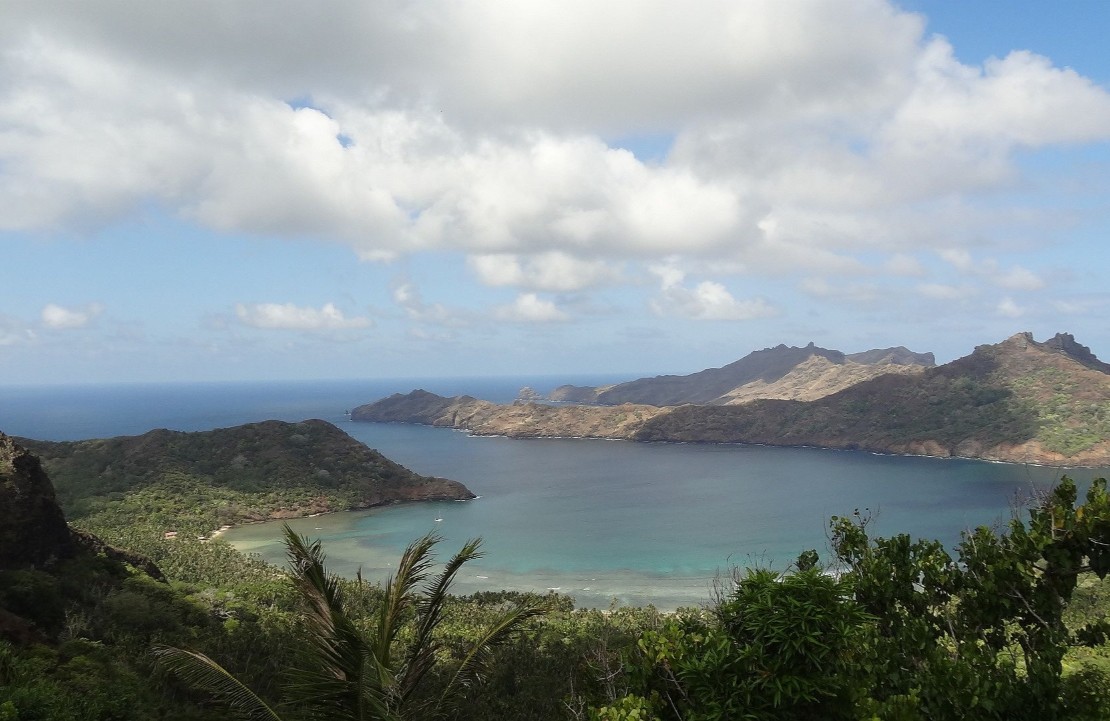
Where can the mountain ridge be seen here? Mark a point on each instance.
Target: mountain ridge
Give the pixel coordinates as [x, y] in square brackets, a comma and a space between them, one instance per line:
[757, 375]
[1014, 401]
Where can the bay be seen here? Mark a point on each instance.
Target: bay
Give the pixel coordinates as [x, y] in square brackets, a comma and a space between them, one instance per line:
[630, 523]
[603, 521]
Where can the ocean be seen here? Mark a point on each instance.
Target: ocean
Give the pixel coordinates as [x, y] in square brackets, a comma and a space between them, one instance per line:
[607, 522]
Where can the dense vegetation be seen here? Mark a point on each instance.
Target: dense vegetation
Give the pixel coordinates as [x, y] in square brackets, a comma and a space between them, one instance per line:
[249, 472]
[1008, 625]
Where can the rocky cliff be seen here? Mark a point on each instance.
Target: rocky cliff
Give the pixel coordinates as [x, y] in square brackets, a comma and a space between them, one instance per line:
[33, 530]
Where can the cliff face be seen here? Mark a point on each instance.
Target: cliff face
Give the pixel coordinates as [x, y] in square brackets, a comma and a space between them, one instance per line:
[33, 528]
[33, 531]
[1017, 401]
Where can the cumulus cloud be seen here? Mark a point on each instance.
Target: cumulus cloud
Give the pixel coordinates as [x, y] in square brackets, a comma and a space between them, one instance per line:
[810, 140]
[408, 297]
[56, 317]
[454, 134]
[1018, 278]
[990, 270]
[1007, 308]
[708, 300]
[959, 259]
[287, 316]
[530, 308]
[552, 271]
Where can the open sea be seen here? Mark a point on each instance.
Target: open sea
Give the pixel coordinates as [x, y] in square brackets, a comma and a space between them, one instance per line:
[603, 521]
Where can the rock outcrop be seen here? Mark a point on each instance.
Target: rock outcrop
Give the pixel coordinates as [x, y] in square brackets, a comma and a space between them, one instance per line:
[33, 530]
[1066, 344]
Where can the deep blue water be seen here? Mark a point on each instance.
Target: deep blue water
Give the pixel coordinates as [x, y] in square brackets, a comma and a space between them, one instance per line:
[75, 412]
[597, 519]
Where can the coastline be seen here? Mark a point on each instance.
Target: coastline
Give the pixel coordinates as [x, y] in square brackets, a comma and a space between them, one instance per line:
[222, 530]
[471, 432]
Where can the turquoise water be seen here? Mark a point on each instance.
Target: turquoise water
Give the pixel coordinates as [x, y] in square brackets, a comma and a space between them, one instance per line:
[647, 523]
[599, 520]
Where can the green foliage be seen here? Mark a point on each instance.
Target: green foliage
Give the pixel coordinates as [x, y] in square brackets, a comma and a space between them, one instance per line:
[227, 475]
[342, 672]
[628, 708]
[1086, 693]
[34, 595]
[984, 632]
[778, 647]
[906, 631]
[80, 681]
[1069, 418]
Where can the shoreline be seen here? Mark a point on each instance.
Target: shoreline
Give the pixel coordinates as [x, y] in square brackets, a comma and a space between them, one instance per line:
[887, 453]
[217, 533]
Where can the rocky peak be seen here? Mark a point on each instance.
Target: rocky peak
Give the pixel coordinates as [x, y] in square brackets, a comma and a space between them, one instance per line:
[528, 394]
[33, 530]
[1066, 344]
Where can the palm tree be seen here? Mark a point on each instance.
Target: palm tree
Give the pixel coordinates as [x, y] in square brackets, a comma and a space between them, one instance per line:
[346, 674]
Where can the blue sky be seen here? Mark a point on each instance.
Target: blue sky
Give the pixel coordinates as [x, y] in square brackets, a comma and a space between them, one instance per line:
[235, 190]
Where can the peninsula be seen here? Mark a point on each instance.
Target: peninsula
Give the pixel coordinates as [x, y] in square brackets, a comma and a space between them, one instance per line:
[1018, 401]
[254, 472]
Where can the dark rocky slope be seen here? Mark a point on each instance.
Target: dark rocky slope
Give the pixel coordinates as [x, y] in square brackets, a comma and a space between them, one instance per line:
[33, 530]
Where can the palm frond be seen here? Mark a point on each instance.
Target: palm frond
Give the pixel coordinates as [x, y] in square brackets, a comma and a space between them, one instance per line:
[340, 680]
[477, 659]
[206, 675]
[429, 608]
[411, 572]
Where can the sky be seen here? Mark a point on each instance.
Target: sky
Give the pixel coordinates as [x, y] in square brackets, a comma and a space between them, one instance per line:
[262, 190]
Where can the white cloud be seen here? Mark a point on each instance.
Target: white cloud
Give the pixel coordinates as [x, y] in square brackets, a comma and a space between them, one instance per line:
[456, 133]
[553, 271]
[829, 139]
[530, 308]
[57, 317]
[708, 300]
[959, 259]
[989, 269]
[408, 296]
[1007, 308]
[1018, 278]
[287, 316]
